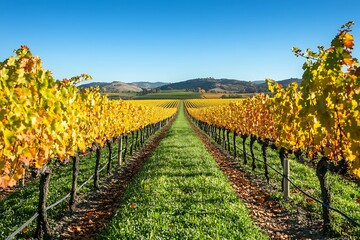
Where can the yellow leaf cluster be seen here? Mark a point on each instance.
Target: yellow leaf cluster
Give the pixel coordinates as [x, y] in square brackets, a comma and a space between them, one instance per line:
[320, 117]
[42, 118]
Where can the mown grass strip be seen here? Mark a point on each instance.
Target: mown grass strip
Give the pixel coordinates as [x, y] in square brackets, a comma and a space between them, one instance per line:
[180, 193]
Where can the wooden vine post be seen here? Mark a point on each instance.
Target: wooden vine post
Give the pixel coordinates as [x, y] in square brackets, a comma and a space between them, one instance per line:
[97, 166]
[244, 137]
[214, 134]
[141, 137]
[120, 141]
[286, 175]
[217, 135]
[137, 140]
[228, 139]
[22, 182]
[126, 146]
[42, 229]
[73, 192]
[234, 142]
[224, 139]
[252, 141]
[264, 145]
[132, 143]
[286, 182]
[321, 170]
[109, 145]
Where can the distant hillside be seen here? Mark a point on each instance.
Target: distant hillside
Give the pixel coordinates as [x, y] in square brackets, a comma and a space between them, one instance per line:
[259, 81]
[113, 86]
[215, 85]
[93, 84]
[222, 85]
[225, 85]
[148, 85]
[122, 87]
[286, 82]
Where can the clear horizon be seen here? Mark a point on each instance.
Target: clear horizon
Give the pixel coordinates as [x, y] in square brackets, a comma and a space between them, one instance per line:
[172, 41]
[86, 82]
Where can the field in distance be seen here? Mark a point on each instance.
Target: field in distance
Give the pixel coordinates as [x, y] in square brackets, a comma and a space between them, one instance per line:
[176, 94]
[171, 94]
[227, 95]
[164, 94]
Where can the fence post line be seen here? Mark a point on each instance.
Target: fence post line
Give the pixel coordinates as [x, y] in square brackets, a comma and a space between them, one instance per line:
[137, 139]
[126, 147]
[43, 229]
[286, 176]
[97, 166]
[72, 202]
[234, 142]
[252, 140]
[224, 139]
[120, 150]
[22, 182]
[264, 145]
[142, 136]
[132, 143]
[109, 145]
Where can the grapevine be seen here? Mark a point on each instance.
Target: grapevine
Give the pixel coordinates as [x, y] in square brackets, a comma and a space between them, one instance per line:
[43, 118]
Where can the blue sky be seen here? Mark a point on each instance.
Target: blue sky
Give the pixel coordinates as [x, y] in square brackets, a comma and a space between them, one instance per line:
[173, 40]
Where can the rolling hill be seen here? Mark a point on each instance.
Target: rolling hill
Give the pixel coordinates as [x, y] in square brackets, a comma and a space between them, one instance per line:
[224, 85]
[93, 84]
[115, 86]
[148, 85]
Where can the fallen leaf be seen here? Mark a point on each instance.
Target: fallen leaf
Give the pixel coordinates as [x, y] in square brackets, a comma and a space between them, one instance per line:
[261, 199]
[295, 190]
[277, 210]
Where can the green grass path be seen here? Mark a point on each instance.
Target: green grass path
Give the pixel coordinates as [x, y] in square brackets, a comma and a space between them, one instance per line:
[181, 193]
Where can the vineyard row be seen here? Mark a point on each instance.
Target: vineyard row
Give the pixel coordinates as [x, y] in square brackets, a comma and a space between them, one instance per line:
[319, 120]
[42, 118]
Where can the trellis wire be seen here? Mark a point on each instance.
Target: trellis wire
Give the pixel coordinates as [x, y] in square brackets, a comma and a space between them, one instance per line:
[355, 223]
